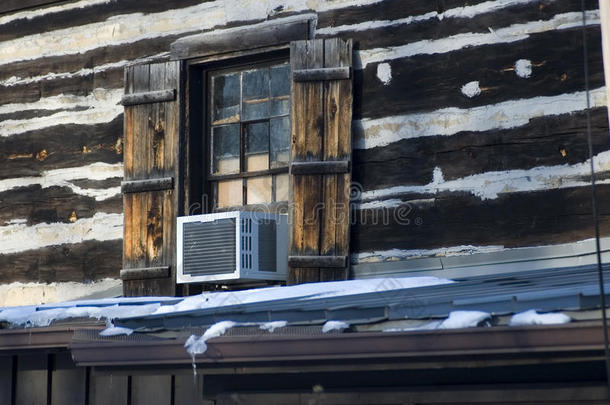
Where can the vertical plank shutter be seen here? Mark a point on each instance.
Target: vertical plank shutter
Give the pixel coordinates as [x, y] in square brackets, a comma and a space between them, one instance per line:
[320, 159]
[150, 198]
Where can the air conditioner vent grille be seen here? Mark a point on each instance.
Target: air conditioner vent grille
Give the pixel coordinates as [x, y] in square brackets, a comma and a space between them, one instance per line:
[266, 248]
[209, 247]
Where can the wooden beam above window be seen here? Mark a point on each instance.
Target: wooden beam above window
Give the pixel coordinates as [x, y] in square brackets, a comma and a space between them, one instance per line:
[265, 34]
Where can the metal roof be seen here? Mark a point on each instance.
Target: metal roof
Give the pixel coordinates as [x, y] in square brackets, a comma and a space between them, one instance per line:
[570, 288]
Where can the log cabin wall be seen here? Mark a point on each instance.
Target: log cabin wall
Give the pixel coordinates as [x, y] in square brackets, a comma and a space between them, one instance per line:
[469, 125]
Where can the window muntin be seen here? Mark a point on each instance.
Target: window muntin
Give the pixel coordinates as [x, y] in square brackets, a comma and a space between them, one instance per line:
[249, 132]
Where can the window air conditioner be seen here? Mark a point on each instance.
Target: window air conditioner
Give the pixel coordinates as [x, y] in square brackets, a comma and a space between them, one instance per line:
[237, 246]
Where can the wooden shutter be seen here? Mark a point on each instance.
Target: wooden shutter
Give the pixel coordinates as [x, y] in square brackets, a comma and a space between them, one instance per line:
[320, 159]
[150, 196]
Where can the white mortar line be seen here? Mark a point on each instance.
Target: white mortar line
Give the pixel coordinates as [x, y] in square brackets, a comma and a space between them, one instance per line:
[64, 177]
[103, 107]
[489, 185]
[380, 132]
[100, 227]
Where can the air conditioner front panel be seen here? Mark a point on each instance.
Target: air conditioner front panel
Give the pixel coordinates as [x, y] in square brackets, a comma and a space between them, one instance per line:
[209, 248]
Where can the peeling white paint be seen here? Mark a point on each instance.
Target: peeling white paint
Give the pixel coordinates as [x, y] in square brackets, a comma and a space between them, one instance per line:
[458, 12]
[14, 294]
[384, 73]
[471, 89]
[63, 178]
[490, 185]
[523, 68]
[20, 237]
[103, 107]
[371, 133]
[513, 33]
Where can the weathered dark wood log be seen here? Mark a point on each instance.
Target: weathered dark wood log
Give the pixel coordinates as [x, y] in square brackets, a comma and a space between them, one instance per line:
[383, 10]
[53, 204]
[325, 167]
[80, 262]
[544, 141]
[60, 146]
[88, 14]
[317, 261]
[453, 219]
[29, 114]
[433, 28]
[14, 5]
[424, 83]
[145, 273]
[274, 32]
[310, 75]
[149, 97]
[139, 186]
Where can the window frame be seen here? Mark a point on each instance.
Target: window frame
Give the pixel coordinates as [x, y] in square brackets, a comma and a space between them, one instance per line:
[199, 193]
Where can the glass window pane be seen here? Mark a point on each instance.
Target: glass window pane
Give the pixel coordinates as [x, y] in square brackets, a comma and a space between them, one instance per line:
[280, 89]
[281, 187]
[229, 193]
[257, 146]
[258, 190]
[255, 94]
[225, 99]
[280, 141]
[225, 149]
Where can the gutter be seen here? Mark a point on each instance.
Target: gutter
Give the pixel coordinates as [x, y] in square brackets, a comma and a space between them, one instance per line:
[12, 340]
[501, 345]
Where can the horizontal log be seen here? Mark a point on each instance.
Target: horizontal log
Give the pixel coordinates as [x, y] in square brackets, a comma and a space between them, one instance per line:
[72, 63]
[140, 186]
[14, 5]
[544, 141]
[86, 14]
[64, 146]
[80, 262]
[326, 167]
[427, 29]
[53, 204]
[520, 219]
[149, 97]
[269, 33]
[29, 114]
[145, 273]
[430, 82]
[320, 74]
[388, 9]
[317, 261]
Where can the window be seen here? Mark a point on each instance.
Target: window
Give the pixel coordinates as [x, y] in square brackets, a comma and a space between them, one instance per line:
[248, 131]
[210, 129]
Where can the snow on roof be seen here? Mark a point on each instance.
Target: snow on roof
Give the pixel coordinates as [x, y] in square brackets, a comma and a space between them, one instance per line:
[111, 308]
